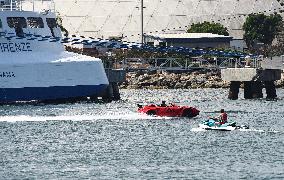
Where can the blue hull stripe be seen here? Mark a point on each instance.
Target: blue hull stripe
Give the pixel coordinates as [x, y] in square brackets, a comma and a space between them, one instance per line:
[49, 93]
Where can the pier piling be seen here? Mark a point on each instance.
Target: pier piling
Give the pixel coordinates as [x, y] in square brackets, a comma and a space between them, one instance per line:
[115, 76]
[234, 90]
[270, 90]
[252, 89]
[115, 92]
[257, 89]
[248, 89]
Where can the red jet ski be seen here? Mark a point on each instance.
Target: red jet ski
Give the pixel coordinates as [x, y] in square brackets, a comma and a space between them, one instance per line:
[169, 110]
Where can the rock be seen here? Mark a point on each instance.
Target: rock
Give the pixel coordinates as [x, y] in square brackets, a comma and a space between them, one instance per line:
[178, 85]
[166, 80]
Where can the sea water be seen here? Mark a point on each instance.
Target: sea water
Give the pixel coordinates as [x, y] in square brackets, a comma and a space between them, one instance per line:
[112, 141]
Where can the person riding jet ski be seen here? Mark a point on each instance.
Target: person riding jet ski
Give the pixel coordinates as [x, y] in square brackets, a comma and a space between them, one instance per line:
[222, 118]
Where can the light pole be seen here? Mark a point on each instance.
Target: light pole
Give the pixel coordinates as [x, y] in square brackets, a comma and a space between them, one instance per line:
[33, 5]
[142, 22]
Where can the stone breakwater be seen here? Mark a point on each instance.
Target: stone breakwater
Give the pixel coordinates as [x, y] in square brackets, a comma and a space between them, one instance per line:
[170, 80]
[186, 80]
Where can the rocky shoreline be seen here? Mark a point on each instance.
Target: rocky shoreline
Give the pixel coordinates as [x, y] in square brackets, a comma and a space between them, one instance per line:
[201, 78]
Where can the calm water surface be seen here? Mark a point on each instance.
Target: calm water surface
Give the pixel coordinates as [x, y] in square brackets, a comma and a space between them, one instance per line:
[112, 141]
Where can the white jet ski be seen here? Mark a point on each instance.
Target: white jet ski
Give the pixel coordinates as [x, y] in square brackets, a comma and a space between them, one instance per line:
[211, 124]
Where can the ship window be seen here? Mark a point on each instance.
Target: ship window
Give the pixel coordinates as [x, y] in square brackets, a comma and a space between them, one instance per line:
[35, 22]
[51, 22]
[16, 22]
[2, 3]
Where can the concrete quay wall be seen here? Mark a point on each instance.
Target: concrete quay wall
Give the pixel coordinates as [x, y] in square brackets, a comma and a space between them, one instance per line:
[254, 80]
[250, 74]
[115, 75]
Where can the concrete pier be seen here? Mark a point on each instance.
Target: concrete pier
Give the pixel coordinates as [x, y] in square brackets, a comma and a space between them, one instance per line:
[254, 80]
[115, 76]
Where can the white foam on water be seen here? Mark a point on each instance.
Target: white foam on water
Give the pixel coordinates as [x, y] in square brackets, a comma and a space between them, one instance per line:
[243, 130]
[129, 116]
[251, 130]
[197, 129]
[259, 130]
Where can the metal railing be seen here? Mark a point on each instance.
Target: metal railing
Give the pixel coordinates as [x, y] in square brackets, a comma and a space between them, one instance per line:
[183, 64]
[17, 5]
[11, 5]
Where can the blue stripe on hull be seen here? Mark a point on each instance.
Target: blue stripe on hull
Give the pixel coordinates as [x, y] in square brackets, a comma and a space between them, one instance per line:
[49, 93]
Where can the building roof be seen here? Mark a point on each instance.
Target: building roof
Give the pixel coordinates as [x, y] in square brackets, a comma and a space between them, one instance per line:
[186, 36]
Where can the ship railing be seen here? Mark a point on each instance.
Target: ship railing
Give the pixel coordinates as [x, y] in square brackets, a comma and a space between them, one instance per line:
[30, 37]
[14, 5]
[185, 64]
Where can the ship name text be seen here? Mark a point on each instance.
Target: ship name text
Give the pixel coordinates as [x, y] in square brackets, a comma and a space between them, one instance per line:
[7, 74]
[15, 47]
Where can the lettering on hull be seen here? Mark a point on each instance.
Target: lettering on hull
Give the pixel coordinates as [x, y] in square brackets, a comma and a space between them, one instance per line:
[15, 47]
[7, 75]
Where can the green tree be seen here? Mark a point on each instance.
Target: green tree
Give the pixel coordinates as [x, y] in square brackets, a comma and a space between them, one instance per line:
[207, 27]
[261, 28]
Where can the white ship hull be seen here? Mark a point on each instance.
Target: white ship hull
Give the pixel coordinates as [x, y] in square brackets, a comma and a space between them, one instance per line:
[51, 81]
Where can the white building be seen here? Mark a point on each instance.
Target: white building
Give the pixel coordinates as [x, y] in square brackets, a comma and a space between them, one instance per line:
[101, 18]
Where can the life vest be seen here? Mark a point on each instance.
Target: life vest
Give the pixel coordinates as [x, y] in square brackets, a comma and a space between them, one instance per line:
[224, 117]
